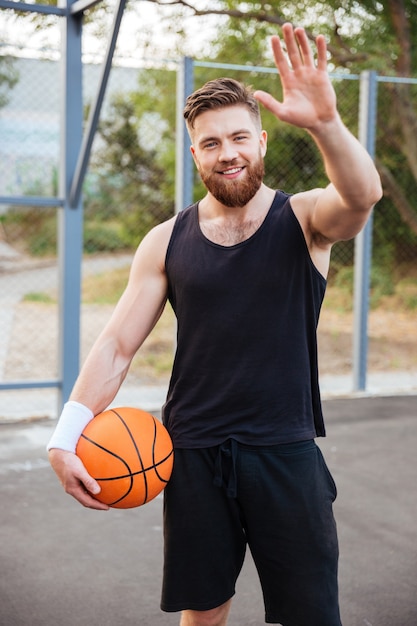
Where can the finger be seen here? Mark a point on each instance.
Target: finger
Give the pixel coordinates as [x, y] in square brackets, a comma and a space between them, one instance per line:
[90, 484]
[90, 502]
[86, 489]
[305, 51]
[79, 491]
[269, 102]
[291, 45]
[321, 53]
[279, 56]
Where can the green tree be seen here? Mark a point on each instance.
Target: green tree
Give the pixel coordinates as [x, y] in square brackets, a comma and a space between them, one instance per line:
[130, 184]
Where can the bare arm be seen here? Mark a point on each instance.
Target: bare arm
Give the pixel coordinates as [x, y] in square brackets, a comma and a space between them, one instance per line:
[135, 315]
[341, 209]
[106, 366]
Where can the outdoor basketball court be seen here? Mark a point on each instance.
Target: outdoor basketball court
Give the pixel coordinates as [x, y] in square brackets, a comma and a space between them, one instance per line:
[62, 564]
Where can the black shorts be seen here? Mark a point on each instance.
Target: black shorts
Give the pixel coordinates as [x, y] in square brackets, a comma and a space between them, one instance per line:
[278, 501]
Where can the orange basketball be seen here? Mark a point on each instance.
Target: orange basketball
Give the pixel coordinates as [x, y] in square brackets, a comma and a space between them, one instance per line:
[129, 453]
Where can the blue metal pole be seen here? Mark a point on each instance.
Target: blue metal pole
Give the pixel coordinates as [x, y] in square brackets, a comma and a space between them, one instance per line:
[363, 242]
[184, 161]
[70, 219]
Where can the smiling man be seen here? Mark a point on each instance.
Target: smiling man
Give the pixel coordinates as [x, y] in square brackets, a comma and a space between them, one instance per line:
[229, 158]
[245, 271]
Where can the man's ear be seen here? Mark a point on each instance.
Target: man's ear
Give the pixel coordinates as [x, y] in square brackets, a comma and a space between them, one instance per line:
[263, 141]
[192, 150]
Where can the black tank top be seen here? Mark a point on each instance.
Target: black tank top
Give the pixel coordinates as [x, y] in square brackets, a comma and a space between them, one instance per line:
[246, 359]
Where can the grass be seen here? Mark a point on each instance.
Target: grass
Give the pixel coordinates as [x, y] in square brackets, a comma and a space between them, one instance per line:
[105, 288]
[154, 360]
[386, 292]
[39, 296]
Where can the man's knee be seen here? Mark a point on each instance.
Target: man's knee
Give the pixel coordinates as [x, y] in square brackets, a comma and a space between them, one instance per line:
[213, 617]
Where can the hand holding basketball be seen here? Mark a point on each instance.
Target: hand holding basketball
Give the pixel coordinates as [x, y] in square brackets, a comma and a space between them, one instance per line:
[75, 479]
[130, 455]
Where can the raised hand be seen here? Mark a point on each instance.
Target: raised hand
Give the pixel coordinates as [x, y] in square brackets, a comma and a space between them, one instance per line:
[309, 100]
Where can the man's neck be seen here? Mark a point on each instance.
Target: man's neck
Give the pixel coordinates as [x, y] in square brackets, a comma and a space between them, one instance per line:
[211, 209]
[229, 226]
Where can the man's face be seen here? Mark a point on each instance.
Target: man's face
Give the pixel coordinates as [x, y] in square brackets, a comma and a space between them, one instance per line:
[228, 151]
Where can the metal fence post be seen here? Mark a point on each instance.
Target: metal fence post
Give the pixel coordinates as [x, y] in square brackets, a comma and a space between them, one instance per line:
[363, 241]
[70, 220]
[184, 162]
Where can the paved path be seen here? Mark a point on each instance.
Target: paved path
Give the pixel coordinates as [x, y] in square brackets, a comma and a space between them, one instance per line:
[18, 278]
[68, 566]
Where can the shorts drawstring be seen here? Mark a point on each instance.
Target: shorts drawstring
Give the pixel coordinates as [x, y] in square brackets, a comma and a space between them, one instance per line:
[227, 450]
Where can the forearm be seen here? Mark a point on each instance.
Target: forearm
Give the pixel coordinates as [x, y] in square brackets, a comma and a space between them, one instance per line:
[101, 375]
[95, 388]
[348, 165]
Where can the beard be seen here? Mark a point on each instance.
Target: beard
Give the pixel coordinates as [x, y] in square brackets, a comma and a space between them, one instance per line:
[235, 193]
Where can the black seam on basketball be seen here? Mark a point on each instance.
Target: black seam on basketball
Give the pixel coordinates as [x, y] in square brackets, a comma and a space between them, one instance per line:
[142, 471]
[94, 443]
[153, 449]
[145, 480]
[129, 475]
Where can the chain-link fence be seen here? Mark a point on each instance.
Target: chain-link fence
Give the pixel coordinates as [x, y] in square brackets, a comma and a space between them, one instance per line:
[130, 187]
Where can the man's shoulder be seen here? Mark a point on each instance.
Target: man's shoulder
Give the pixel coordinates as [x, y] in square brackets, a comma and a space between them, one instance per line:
[156, 241]
[163, 229]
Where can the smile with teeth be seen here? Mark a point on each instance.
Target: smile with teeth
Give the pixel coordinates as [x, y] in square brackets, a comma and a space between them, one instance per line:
[232, 170]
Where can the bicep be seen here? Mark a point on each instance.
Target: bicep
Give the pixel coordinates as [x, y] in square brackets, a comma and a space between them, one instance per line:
[335, 220]
[326, 218]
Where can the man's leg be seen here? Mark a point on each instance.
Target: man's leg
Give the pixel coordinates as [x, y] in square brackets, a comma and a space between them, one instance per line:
[213, 617]
[204, 541]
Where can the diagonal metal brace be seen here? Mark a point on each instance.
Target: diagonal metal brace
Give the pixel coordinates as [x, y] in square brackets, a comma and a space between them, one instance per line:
[82, 5]
[85, 151]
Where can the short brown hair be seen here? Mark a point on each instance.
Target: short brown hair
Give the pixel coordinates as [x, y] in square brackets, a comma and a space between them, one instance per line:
[219, 93]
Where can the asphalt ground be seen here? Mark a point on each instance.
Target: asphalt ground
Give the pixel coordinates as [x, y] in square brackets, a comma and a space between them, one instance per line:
[61, 564]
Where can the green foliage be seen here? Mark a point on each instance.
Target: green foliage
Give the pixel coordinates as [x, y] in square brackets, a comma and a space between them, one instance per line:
[393, 240]
[39, 296]
[344, 278]
[102, 236]
[8, 78]
[382, 284]
[407, 293]
[32, 229]
[132, 178]
[293, 161]
[384, 288]
[360, 33]
[42, 241]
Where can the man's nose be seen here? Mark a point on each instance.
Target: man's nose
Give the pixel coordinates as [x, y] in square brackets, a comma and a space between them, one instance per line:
[228, 151]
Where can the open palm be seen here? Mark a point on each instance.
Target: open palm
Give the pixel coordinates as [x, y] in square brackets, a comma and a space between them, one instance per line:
[309, 99]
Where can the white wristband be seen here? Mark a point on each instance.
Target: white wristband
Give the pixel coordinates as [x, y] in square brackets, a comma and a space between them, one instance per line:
[74, 418]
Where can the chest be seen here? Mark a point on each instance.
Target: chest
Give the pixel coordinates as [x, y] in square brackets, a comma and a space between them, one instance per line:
[230, 232]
